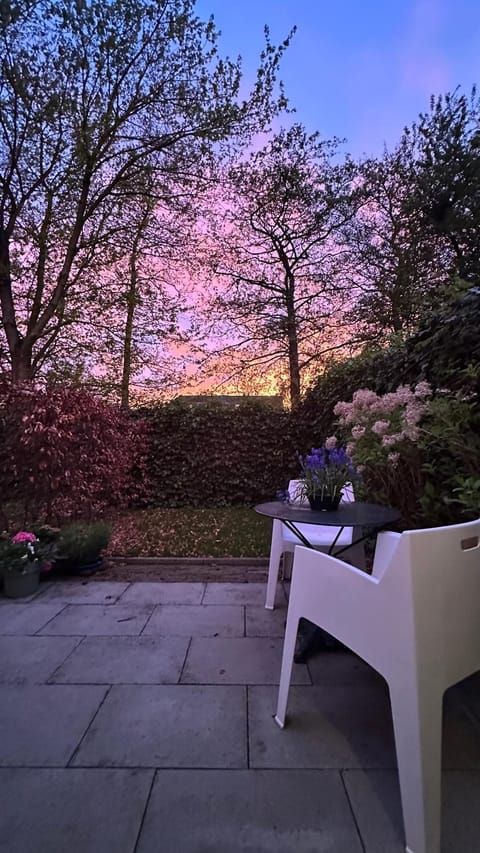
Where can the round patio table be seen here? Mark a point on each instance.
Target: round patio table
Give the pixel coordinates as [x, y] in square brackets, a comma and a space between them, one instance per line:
[369, 517]
[365, 517]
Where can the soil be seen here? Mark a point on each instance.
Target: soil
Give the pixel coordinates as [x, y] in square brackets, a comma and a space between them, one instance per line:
[179, 570]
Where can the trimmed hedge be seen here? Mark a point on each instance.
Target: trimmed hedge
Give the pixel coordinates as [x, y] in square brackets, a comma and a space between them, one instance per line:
[214, 456]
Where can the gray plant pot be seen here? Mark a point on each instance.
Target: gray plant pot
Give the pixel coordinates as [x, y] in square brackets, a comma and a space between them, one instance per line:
[19, 586]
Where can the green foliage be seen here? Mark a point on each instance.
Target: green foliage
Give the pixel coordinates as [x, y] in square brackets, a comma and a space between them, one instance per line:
[81, 543]
[450, 445]
[445, 144]
[466, 494]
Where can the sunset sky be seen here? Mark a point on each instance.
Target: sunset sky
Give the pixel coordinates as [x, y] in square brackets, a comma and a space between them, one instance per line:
[358, 69]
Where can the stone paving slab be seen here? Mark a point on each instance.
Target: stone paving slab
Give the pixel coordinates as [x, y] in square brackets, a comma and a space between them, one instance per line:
[41, 726]
[25, 599]
[248, 811]
[336, 727]
[197, 733]
[241, 593]
[124, 660]
[27, 619]
[99, 619]
[245, 660]
[164, 593]
[79, 811]
[168, 726]
[461, 733]
[347, 727]
[83, 592]
[375, 800]
[31, 660]
[342, 667]
[266, 623]
[196, 620]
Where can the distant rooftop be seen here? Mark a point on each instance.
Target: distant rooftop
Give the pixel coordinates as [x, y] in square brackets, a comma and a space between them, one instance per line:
[273, 401]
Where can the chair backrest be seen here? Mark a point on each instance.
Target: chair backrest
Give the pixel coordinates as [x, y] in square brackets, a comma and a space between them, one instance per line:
[433, 578]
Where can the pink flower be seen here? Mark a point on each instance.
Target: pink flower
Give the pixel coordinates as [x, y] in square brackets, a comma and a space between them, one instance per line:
[380, 427]
[422, 389]
[331, 442]
[358, 431]
[342, 408]
[388, 440]
[393, 459]
[23, 536]
[364, 398]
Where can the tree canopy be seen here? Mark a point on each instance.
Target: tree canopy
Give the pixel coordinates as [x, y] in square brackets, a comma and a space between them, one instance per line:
[93, 96]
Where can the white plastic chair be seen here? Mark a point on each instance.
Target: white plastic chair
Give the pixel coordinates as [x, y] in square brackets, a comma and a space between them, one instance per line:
[415, 620]
[320, 537]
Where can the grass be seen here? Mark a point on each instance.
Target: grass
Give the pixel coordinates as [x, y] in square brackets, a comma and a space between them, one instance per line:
[189, 532]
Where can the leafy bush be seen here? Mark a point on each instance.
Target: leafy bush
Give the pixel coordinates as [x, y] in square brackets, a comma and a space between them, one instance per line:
[418, 454]
[67, 454]
[81, 543]
[383, 437]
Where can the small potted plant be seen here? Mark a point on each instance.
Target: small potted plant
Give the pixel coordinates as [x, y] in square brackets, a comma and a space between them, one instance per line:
[80, 547]
[23, 556]
[325, 472]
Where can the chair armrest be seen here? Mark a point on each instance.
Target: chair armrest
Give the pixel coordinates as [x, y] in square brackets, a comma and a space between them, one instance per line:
[332, 568]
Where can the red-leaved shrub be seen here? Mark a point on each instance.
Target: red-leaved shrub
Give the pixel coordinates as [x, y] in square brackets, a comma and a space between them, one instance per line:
[65, 453]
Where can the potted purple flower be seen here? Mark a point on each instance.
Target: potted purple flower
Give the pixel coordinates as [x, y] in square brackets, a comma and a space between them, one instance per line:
[324, 473]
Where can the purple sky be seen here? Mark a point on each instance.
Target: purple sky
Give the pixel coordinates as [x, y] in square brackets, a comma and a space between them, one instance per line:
[358, 69]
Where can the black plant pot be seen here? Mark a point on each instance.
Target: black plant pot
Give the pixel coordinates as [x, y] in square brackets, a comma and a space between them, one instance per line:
[327, 503]
[67, 567]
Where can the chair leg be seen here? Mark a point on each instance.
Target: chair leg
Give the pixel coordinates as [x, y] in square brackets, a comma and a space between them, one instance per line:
[286, 671]
[273, 568]
[417, 723]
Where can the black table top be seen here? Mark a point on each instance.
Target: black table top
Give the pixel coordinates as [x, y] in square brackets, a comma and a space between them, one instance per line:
[354, 514]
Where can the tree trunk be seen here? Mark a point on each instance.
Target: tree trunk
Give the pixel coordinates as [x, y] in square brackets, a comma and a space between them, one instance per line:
[20, 351]
[127, 342]
[293, 360]
[21, 364]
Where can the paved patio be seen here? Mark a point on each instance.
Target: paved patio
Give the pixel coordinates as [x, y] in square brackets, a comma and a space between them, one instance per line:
[137, 718]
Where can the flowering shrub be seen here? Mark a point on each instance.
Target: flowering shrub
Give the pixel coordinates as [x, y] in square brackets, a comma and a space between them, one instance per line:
[326, 470]
[26, 551]
[383, 434]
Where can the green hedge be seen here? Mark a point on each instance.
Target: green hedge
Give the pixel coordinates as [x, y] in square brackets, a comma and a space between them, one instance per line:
[210, 456]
